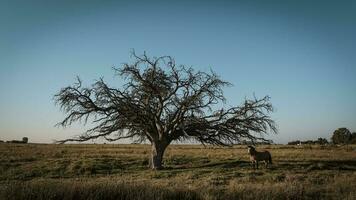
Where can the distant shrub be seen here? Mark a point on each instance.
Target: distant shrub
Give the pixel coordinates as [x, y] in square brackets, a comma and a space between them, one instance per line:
[25, 139]
[294, 142]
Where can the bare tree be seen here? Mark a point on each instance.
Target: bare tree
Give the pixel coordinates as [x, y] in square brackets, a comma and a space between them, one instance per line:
[163, 102]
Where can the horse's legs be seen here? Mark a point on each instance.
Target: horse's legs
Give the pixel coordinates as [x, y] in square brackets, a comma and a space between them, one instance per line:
[256, 164]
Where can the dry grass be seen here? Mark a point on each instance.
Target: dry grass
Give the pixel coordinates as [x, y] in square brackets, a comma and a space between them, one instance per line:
[39, 171]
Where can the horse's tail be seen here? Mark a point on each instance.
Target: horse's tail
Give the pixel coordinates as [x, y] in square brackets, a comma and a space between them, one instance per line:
[270, 158]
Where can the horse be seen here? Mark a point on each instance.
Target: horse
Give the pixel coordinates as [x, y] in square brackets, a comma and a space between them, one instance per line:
[256, 156]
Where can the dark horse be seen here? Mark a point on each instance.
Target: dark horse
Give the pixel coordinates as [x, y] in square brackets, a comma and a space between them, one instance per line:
[256, 156]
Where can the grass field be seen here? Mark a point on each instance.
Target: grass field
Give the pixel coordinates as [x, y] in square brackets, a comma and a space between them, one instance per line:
[49, 171]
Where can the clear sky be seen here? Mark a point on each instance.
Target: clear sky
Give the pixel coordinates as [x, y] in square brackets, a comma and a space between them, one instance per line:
[301, 53]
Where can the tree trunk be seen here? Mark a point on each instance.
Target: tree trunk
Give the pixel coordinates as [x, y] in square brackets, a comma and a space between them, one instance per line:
[158, 149]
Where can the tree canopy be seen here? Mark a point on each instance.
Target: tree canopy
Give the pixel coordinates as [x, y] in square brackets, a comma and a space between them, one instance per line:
[343, 136]
[163, 102]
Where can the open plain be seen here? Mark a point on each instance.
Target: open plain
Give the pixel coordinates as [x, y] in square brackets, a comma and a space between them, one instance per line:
[120, 171]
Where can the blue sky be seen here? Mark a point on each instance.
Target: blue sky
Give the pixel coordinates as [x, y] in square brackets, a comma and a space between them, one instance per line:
[301, 53]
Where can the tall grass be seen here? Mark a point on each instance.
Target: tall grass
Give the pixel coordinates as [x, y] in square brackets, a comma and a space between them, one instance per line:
[112, 190]
[50, 190]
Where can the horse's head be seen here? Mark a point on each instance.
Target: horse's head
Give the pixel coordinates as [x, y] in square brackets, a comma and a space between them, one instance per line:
[250, 149]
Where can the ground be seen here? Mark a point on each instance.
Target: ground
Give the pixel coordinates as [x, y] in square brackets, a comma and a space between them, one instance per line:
[117, 171]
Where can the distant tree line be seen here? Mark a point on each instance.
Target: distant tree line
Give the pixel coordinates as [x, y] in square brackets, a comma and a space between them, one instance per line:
[320, 141]
[23, 141]
[247, 142]
[339, 136]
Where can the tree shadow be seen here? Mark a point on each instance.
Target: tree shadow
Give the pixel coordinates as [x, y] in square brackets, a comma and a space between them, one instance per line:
[317, 164]
[277, 165]
[226, 164]
[216, 165]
